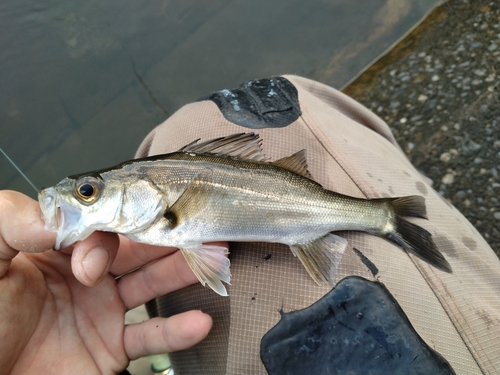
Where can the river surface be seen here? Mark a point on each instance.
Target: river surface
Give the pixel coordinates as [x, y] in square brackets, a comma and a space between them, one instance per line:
[82, 82]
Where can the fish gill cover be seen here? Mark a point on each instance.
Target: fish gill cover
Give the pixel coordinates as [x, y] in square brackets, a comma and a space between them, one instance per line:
[357, 328]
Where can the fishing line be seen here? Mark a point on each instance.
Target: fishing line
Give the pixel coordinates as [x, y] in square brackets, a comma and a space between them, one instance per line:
[20, 171]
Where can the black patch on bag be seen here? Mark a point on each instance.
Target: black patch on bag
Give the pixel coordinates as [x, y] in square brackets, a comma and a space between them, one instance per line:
[258, 104]
[357, 328]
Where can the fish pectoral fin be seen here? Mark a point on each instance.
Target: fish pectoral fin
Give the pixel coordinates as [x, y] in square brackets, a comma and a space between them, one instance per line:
[192, 197]
[210, 265]
[295, 163]
[321, 257]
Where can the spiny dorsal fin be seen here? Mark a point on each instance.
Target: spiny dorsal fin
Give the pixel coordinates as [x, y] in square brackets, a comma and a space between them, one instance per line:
[295, 163]
[242, 145]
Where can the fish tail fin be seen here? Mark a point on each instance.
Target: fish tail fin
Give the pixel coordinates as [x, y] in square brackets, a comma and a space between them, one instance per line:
[412, 237]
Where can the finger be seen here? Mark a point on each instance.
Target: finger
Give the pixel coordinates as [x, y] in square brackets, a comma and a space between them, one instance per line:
[164, 335]
[133, 254]
[155, 279]
[21, 228]
[92, 257]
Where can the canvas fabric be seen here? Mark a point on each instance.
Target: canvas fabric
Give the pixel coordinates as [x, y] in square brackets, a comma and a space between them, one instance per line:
[351, 151]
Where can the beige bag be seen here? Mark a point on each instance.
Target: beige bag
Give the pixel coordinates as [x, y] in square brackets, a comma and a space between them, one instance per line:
[350, 151]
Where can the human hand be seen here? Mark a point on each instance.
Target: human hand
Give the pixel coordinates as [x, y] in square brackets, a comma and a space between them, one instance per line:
[58, 321]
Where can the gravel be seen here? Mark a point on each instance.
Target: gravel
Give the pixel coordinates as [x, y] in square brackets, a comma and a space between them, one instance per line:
[439, 92]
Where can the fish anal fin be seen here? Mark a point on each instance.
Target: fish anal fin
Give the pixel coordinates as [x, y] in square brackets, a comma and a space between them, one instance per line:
[321, 257]
[242, 145]
[210, 265]
[295, 163]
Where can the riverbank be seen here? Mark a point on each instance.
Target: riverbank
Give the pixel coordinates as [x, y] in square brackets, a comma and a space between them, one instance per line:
[438, 89]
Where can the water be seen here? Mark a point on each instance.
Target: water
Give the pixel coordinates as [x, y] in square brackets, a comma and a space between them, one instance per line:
[18, 170]
[84, 81]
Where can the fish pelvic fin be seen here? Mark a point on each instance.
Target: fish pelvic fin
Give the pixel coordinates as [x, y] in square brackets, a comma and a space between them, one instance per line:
[210, 265]
[412, 237]
[321, 257]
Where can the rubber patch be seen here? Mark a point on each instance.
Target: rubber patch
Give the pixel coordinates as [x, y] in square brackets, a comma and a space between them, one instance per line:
[357, 328]
[258, 104]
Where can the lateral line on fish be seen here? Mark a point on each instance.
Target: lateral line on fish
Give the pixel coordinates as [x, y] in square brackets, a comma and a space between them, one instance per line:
[257, 193]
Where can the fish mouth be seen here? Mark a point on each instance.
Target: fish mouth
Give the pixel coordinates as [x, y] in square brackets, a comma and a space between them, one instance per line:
[62, 218]
[48, 204]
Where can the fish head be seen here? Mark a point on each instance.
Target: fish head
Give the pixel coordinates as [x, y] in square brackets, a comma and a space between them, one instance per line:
[76, 207]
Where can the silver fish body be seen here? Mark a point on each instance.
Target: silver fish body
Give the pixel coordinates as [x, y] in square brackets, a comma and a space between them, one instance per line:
[224, 190]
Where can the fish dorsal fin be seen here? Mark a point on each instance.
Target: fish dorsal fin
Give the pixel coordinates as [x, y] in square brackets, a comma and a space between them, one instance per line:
[242, 145]
[295, 163]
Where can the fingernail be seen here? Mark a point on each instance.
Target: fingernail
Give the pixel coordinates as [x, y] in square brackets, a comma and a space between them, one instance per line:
[95, 263]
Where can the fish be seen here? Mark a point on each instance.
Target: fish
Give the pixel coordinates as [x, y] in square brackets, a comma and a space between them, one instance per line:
[225, 189]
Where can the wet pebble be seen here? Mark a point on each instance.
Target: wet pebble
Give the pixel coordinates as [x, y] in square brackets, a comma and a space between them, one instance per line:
[448, 178]
[445, 157]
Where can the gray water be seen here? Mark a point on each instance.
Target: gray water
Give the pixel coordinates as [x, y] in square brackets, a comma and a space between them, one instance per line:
[82, 82]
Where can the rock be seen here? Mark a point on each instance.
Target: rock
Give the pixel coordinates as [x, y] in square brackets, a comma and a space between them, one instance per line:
[448, 178]
[445, 157]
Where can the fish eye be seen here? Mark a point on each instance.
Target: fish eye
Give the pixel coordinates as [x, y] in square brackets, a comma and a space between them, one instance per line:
[88, 190]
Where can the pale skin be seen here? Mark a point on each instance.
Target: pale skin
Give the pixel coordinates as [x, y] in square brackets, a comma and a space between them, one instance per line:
[63, 312]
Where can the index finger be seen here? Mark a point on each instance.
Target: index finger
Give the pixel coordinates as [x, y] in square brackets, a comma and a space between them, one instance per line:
[132, 255]
[21, 228]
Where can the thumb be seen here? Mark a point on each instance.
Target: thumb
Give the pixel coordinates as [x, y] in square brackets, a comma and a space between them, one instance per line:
[92, 257]
[21, 228]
